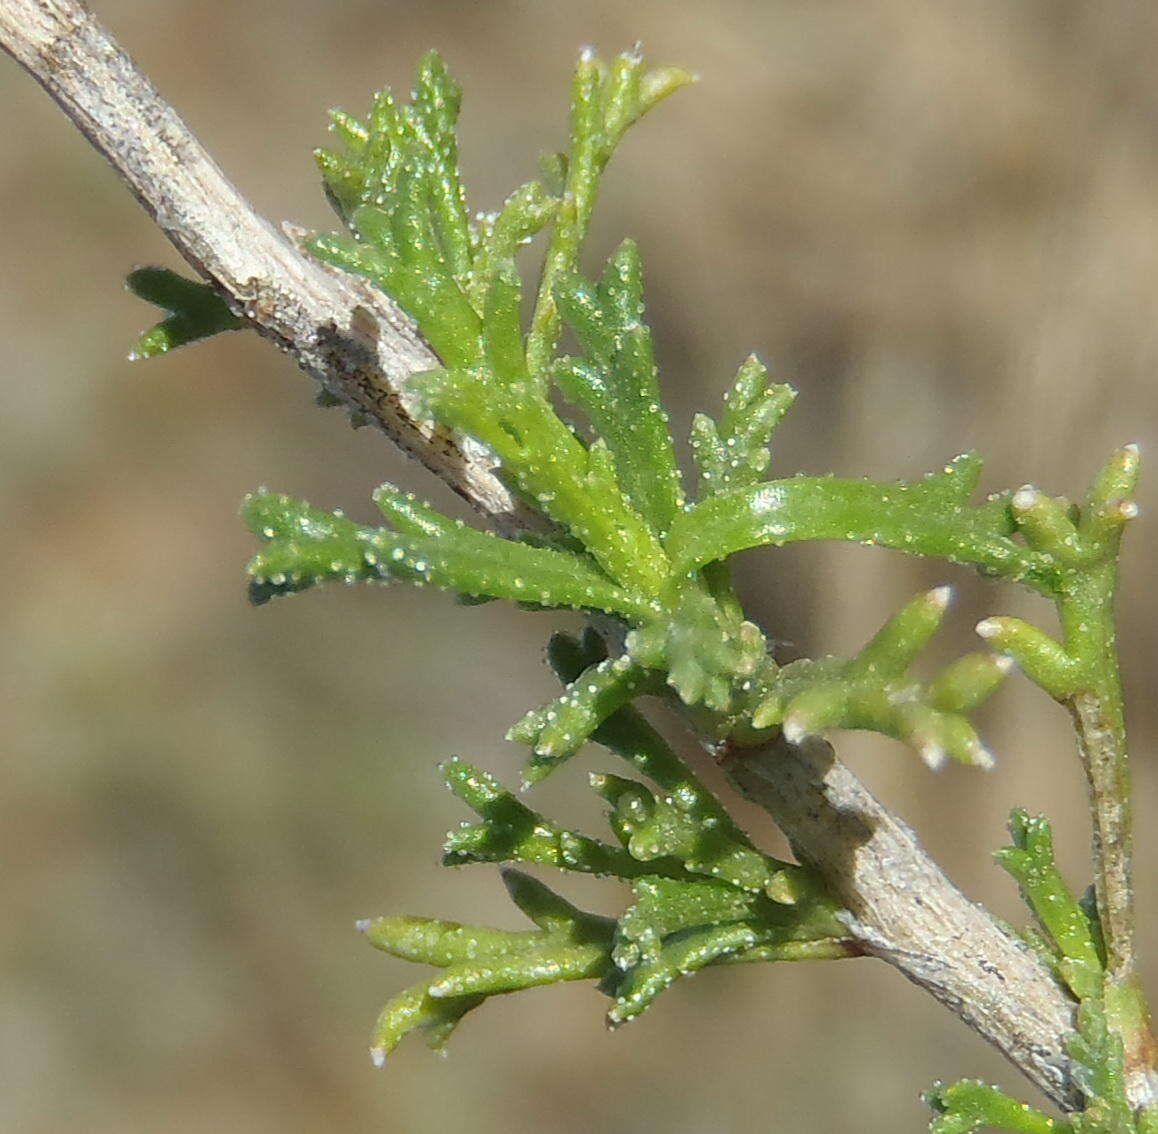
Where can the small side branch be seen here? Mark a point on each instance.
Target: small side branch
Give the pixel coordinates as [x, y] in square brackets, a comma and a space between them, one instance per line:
[1101, 741]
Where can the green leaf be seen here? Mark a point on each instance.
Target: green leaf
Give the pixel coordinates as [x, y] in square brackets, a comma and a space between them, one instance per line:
[972, 1105]
[558, 730]
[708, 655]
[734, 453]
[433, 117]
[479, 961]
[926, 517]
[398, 190]
[555, 914]
[513, 832]
[962, 685]
[677, 927]
[572, 484]
[1030, 861]
[873, 690]
[662, 964]
[483, 565]
[629, 735]
[551, 963]
[196, 311]
[1046, 524]
[604, 103]
[415, 1009]
[1045, 661]
[307, 546]
[435, 941]
[499, 236]
[663, 828]
[719, 847]
[617, 385]
[397, 187]
[1112, 493]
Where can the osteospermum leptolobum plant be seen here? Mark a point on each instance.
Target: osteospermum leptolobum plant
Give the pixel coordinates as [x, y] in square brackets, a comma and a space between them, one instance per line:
[629, 538]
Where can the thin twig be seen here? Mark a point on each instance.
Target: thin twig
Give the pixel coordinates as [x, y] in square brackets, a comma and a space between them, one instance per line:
[361, 347]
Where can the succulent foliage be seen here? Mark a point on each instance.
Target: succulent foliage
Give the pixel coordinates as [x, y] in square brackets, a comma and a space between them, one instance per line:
[644, 552]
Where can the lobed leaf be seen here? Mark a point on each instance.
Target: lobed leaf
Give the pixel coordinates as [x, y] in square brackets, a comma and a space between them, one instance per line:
[397, 187]
[511, 831]
[479, 961]
[708, 653]
[196, 311]
[616, 383]
[416, 1010]
[926, 517]
[558, 730]
[629, 735]
[971, 1105]
[676, 928]
[873, 690]
[573, 484]
[604, 103]
[307, 546]
[1030, 861]
[734, 453]
[498, 237]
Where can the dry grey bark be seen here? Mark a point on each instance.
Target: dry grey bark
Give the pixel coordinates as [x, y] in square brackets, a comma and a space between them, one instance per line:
[362, 348]
[904, 910]
[337, 327]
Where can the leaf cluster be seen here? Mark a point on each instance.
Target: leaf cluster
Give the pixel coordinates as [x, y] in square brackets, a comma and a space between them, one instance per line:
[625, 540]
[702, 894]
[578, 430]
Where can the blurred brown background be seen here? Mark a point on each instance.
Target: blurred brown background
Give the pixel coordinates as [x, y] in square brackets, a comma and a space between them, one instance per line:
[939, 221]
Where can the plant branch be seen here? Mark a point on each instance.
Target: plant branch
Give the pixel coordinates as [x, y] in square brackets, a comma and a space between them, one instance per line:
[338, 328]
[905, 911]
[363, 349]
[1103, 755]
[1096, 706]
[1087, 614]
